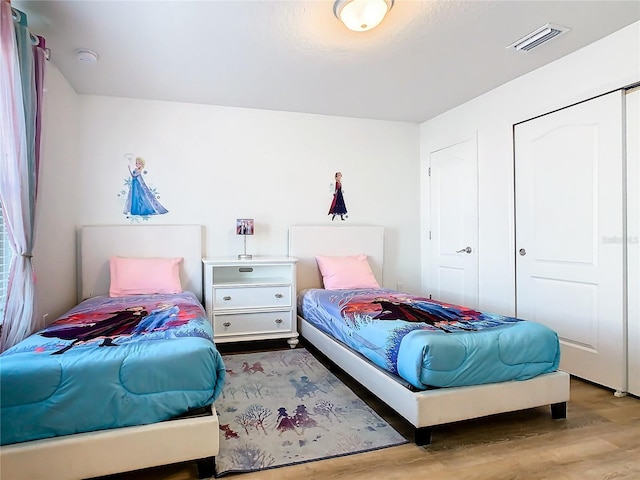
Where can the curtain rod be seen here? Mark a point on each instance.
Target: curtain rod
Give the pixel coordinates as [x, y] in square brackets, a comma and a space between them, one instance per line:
[35, 40]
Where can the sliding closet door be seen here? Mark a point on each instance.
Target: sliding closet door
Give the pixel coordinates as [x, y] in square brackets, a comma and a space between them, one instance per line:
[569, 234]
[633, 238]
[453, 269]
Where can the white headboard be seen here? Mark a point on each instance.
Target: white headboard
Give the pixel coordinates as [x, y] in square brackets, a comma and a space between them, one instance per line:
[99, 242]
[305, 242]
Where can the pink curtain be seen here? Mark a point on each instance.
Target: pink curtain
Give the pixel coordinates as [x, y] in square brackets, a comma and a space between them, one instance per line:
[21, 88]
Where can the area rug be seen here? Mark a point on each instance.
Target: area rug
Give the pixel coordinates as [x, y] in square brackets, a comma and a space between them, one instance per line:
[284, 407]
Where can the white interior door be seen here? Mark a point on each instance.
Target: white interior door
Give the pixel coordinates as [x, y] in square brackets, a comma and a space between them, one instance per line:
[569, 234]
[633, 240]
[453, 269]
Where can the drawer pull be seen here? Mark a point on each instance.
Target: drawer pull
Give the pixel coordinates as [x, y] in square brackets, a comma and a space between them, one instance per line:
[226, 298]
[278, 295]
[278, 321]
[226, 324]
[245, 269]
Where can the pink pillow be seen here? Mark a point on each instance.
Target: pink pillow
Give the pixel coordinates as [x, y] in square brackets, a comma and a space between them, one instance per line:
[346, 272]
[144, 276]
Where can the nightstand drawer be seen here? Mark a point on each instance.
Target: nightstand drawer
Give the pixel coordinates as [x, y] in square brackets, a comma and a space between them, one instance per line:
[251, 297]
[250, 323]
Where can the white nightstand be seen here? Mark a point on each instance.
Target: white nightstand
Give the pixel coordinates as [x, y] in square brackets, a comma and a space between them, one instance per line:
[251, 299]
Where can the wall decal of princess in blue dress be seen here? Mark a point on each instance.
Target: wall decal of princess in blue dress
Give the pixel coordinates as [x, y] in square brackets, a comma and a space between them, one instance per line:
[141, 200]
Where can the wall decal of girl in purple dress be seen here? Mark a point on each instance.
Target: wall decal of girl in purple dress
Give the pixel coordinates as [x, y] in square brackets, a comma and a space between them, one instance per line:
[141, 200]
[338, 206]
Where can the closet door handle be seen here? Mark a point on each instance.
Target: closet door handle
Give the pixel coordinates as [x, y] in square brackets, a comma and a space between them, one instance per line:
[464, 250]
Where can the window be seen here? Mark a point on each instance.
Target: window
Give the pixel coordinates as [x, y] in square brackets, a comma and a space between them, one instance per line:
[5, 258]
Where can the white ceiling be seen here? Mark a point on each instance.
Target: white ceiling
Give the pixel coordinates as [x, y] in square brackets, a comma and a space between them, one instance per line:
[425, 58]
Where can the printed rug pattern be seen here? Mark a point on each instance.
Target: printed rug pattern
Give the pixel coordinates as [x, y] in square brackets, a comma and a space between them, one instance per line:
[284, 407]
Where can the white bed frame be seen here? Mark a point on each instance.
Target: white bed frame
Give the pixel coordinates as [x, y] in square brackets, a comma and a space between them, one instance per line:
[106, 452]
[423, 409]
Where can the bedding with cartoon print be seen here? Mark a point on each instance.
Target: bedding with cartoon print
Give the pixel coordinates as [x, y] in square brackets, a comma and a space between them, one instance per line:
[429, 343]
[109, 363]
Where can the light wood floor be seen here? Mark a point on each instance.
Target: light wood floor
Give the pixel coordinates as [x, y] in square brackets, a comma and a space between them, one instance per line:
[600, 439]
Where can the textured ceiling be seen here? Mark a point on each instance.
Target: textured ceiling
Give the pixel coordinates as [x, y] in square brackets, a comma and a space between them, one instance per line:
[425, 58]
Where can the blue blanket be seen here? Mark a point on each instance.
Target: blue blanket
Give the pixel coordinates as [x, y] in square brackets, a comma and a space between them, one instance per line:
[108, 363]
[429, 343]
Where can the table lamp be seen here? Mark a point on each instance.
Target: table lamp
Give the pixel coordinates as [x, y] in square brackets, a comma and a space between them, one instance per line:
[244, 227]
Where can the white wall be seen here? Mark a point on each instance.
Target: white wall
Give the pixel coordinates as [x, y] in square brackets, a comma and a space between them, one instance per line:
[213, 164]
[56, 208]
[603, 66]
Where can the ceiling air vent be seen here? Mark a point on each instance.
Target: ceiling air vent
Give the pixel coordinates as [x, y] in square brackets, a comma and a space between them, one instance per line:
[538, 37]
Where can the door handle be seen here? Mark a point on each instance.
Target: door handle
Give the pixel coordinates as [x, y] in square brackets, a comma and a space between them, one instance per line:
[464, 250]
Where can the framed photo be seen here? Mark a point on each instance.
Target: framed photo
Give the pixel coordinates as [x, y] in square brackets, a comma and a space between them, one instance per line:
[244, 226]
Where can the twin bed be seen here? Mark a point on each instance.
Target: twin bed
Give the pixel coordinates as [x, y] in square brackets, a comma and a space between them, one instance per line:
[122, 381]
[140, 373]
[432, 370]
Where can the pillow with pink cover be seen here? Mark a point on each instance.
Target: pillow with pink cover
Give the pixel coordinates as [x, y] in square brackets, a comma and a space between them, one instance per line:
[144, 276]
[346, 272]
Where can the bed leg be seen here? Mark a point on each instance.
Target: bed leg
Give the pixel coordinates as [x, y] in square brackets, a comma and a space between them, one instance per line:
[559, 410]
[206, 467]
[423, 436]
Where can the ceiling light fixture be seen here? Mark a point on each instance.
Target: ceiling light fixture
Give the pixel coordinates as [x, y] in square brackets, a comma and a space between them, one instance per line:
[361, 15]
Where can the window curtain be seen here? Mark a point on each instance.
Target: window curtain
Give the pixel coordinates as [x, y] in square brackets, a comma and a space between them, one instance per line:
[21, 87]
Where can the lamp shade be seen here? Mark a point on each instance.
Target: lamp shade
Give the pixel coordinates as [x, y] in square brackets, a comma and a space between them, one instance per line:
[361, 15]
[244, 226]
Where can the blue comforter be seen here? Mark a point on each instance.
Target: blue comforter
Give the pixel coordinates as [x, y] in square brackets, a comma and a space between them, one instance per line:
[429, 343]
[108, 363]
